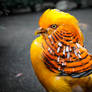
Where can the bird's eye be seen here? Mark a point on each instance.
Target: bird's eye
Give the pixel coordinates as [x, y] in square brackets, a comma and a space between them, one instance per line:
[54, 26]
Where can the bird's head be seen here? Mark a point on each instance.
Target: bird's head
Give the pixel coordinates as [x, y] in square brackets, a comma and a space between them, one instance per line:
[53, 20]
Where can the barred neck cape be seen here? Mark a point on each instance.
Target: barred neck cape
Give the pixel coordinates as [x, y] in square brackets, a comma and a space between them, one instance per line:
[65, 55]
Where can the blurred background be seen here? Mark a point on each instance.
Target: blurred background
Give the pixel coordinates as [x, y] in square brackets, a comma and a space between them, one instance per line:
[18, 22]
[8, 7]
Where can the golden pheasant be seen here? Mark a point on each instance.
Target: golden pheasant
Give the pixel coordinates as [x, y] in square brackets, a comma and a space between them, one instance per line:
[59, 58]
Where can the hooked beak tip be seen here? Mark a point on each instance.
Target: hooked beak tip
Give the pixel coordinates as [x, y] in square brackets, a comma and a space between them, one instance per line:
[36, 33]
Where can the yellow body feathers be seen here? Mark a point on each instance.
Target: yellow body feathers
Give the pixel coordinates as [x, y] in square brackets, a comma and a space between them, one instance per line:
[55, 52]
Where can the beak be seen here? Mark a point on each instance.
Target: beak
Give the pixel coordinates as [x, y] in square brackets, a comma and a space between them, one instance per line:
[40, 31]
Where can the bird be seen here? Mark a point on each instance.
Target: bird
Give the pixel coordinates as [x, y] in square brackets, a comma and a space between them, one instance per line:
[58, 55]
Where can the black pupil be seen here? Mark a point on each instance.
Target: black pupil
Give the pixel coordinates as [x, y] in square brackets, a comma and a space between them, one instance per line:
[53, 26]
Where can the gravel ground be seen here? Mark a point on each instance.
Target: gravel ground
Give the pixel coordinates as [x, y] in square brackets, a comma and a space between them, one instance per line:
[16, 35]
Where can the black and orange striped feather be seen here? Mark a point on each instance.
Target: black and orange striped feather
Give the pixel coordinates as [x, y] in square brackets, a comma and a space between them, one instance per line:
[64, 54]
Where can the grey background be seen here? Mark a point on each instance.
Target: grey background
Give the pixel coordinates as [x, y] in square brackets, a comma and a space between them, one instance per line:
[16, 35]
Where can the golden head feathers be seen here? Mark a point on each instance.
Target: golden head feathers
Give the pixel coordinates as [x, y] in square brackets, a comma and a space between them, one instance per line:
[54, 16]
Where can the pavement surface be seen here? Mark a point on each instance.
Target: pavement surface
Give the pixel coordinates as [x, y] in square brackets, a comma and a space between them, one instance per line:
[16, 35]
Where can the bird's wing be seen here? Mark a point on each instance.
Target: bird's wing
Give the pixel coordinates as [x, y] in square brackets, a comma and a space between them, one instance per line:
[65, 57]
